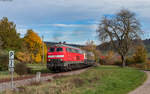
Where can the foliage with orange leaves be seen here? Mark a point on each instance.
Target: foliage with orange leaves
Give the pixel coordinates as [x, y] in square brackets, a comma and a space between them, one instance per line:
[34, 44]
[23, 57]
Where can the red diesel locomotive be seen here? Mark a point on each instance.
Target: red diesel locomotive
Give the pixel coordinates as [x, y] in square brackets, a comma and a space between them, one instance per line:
[62, 57]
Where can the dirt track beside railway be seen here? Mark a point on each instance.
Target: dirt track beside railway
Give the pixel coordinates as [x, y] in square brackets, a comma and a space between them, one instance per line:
[44, 77]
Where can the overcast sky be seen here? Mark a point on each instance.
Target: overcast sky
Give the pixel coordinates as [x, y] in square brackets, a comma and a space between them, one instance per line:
[73, 21]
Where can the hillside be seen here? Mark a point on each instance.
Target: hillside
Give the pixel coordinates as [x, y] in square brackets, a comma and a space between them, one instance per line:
[105, 46]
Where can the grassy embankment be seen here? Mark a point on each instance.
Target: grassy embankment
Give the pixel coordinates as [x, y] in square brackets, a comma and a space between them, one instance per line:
[98, 80]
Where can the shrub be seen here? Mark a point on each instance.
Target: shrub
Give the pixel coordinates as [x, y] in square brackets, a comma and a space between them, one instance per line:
[140, 55]
[21, 69]
[107, 59]
[146, 65]
[3, 61]
[111, 58]
[23, 57]
[118, 62]
[130, 61]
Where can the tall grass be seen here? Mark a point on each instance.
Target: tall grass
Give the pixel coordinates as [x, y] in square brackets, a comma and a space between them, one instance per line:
[98, 80]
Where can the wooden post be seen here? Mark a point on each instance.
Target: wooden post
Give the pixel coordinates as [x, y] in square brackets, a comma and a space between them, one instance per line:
[38, 77]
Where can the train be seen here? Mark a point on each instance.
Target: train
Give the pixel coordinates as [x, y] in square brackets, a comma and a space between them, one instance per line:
[62, 57]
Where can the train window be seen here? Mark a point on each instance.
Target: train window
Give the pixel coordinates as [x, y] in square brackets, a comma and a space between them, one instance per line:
[80, 51]
[69, 50]
[59, 49]
[72, 50]
[51, 49]
[76, 51]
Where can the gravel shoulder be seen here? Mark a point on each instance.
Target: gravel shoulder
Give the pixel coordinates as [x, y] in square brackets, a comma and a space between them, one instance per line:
[144, 88]
[7, 85]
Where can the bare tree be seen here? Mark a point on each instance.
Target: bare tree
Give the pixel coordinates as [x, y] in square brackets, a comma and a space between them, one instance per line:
[120, 30]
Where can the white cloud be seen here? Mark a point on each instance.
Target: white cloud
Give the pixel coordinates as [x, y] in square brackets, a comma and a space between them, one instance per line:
[22, 32]
[38, 11]
[35, 14]
[94, 26]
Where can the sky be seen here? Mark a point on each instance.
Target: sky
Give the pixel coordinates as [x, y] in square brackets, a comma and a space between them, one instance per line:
[73, 21]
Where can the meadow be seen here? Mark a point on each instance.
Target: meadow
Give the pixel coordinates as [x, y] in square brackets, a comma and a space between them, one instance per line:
[97, 80]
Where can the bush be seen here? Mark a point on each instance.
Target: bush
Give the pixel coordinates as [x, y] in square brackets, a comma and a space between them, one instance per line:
[23, 57]
[146, 65]
[21, 69]
[111, 58]
[118, 62]
[138, 59]
[140, 55]
[3, 61]
[130, 61]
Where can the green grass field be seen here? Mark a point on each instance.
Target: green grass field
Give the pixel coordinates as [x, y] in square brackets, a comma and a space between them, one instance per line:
[97, 80]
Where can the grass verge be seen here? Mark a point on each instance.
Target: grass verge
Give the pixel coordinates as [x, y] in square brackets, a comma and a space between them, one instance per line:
[6, 74]
[97, 80]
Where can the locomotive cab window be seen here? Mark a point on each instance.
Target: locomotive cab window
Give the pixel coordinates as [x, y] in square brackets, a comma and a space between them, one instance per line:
[59, 49]
[51, 49]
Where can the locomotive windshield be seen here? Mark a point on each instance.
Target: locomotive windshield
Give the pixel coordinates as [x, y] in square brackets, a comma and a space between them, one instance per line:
[51, 49]
[59, 49]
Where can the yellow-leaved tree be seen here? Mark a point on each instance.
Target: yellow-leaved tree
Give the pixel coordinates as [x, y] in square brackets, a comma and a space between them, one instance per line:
[35, 46]
[140, 55]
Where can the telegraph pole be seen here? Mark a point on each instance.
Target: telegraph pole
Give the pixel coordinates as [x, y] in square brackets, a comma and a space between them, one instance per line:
[43, 47]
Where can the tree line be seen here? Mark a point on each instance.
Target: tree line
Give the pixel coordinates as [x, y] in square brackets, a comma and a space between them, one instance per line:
[27, 49]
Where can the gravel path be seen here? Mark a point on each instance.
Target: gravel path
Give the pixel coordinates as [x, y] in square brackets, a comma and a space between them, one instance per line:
[145, 88]
[7, 85]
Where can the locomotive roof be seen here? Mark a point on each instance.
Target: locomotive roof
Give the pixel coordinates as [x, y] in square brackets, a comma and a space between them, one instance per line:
[61, 45]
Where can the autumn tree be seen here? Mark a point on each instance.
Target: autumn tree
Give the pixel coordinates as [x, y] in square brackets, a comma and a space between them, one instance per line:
[120, 30]
[9, 38]
[140, 55]
[34, 45]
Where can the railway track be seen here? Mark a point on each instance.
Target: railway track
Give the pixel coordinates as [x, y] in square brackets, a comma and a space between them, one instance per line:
[27, 80]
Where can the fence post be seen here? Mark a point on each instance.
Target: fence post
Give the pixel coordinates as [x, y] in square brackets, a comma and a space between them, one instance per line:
[38, 77]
